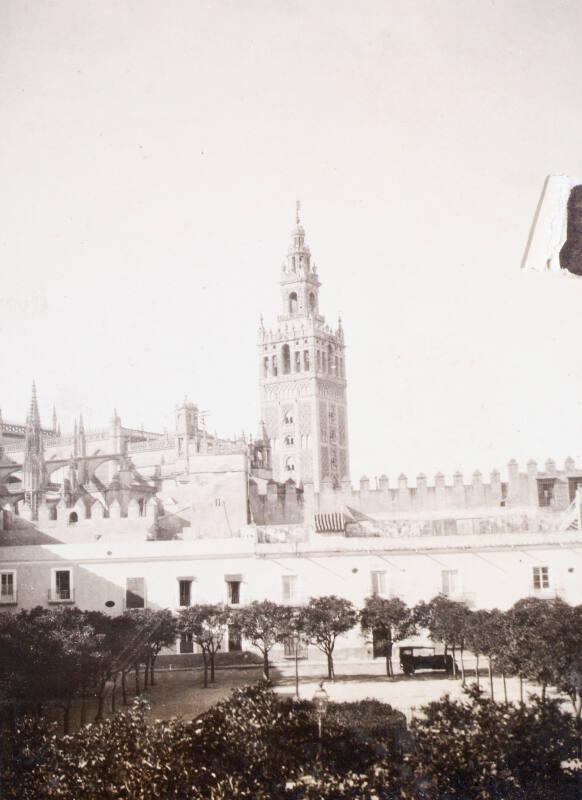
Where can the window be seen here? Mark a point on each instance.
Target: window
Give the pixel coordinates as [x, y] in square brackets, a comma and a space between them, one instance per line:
[306, 360]
[541, 578]
[289, 586]
[234, 639]
[186, 644]
[289, 440]
[379, 582]
[266, 367]
[293, 303]
[7, 587]
[286, 353]
[274, 365]
[290, 464]
[233, 583]
[573, 484]
[185, 591]
[62, 586]
[295, 645]
[546, 491]
[450, 581]
[135, 593]
[297, 361]
[312, 302]
[288, 418]
[319, 360]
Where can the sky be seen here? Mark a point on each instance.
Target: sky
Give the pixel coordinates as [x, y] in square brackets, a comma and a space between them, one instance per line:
[151, 154]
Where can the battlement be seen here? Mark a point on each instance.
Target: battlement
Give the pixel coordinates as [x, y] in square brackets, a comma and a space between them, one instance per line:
[299, 327]
[552, 489]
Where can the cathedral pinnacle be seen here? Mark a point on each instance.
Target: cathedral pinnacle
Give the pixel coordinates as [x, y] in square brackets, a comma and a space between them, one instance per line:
[34, 416]
[297, 210]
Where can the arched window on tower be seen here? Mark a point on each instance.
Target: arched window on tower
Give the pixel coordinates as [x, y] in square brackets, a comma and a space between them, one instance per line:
[306, 360]
[274, 365]
[330, 361]
[312, 302]
[293, 303]
[266, 367]
[290, 464]
[297, 361]
[286, 354]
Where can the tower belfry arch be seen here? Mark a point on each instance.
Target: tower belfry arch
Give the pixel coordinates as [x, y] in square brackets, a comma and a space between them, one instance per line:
[303, 377]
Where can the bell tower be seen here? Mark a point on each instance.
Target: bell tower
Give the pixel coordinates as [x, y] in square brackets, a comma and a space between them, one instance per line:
[302, 378]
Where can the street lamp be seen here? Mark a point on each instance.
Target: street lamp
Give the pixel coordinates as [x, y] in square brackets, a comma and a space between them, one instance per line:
[320, 701]
[296, 641]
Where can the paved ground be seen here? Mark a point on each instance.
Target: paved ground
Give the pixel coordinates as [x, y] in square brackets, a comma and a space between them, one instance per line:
[180, 693]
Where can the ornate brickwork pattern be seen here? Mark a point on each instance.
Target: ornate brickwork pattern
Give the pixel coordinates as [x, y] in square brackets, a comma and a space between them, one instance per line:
[343, 463]
[341, 423]
[305, 417]
[324, 462]
[323, 421]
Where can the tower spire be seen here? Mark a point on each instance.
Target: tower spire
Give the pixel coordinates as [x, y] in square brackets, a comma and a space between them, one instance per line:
[297, 210]
[33, 414]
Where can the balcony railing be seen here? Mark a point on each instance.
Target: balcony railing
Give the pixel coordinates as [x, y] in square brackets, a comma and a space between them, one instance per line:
[9, 599]
[61, 595]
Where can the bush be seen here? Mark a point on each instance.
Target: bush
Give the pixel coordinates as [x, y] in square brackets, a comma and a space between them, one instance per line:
[255, 745]
[479, 749]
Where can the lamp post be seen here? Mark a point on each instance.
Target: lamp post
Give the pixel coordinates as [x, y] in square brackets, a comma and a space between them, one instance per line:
[320, 701]
[296, 638]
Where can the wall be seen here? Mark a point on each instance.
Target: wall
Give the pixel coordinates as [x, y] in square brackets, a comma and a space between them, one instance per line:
[494, 571]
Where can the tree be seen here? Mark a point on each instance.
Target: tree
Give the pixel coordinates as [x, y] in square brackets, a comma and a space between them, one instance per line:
[323, 620]
[264, 625]
[206, 624]
[446, 621]
[160, 629]
[391, 618]
[486, 635]
[534, 640]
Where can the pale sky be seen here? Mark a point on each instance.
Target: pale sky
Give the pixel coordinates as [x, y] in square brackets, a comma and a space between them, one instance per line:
[150, 157]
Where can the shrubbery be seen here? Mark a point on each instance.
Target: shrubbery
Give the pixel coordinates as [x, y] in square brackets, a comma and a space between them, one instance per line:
[256, 745]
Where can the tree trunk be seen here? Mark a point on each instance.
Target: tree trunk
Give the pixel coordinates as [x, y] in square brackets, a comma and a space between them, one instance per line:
[266, 665]
[521, 690]
[100, 701]
[146, 674]
[212, 666]
[152, 674]
[544, 688]
[205, 660]
[67, 717]
[83, 706]
[123, 687]
[491, 680]
[330, 669]
[137, 689]
[462, 667]
[505, 689]
[113, 695]
[477, 669]
[389, 670]
[454, 663]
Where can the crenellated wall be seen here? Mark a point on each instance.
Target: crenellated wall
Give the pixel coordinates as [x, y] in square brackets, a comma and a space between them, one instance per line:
[551, 488]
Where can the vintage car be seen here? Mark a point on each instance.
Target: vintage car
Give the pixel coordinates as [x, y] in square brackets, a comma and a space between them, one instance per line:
[416, 658]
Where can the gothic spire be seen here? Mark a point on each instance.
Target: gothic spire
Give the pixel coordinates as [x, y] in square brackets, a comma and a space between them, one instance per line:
[33, 415]
[55, 421]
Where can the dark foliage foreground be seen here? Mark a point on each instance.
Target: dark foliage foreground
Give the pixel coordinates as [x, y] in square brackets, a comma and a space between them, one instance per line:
[255, 745]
